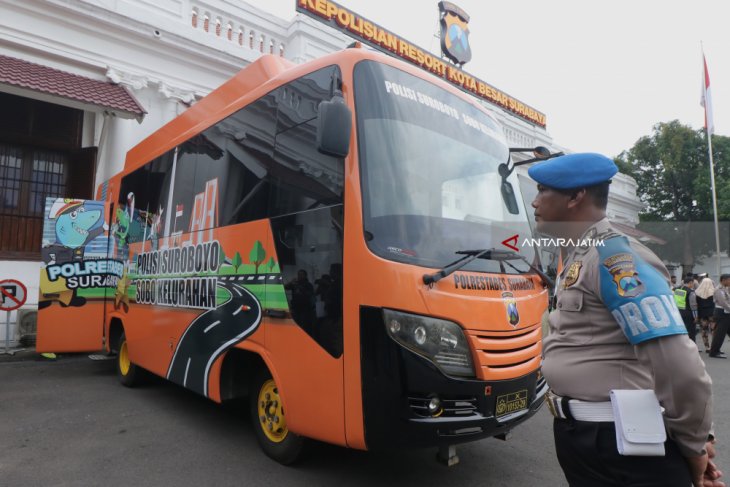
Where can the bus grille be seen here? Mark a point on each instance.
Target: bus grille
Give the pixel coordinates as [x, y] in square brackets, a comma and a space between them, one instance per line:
[507, 354]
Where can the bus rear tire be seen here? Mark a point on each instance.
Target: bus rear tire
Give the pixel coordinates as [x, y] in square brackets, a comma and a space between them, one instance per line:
[269, 423]
[129, 374]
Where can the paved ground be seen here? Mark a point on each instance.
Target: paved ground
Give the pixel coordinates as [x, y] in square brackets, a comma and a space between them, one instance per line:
[69, 423]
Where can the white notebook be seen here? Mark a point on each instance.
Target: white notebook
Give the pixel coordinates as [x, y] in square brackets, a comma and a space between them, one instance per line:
[639, 425]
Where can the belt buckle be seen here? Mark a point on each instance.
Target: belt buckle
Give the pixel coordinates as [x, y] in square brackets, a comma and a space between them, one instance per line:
[551, 397]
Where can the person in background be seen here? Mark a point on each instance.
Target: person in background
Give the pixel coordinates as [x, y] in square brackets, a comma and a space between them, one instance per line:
[722, 316]
[686, 300]
[302, 300]
[705, 310]
[673, 280]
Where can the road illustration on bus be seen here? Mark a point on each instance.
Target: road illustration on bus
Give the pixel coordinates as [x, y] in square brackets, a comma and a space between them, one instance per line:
[211, 334]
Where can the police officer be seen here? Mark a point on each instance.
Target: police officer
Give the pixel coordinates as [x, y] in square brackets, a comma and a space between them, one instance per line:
[722, 316]
[686, 301]
[615, 327]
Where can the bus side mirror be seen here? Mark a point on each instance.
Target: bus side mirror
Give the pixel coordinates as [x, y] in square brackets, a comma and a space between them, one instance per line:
[334, 123]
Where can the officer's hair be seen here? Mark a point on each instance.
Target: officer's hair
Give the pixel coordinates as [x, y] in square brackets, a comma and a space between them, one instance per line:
[724, 276]
[688, 279]
[597, 192]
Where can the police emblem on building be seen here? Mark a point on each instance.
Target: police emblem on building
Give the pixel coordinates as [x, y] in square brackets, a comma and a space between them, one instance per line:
[454, 33]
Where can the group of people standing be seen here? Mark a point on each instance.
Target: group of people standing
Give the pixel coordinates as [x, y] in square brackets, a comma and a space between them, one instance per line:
[704, 305]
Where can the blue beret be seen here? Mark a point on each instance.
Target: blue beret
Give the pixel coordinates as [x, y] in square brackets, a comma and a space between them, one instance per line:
[573, 171]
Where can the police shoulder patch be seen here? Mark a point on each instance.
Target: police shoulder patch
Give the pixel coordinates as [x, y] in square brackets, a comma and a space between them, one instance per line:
[636, 293]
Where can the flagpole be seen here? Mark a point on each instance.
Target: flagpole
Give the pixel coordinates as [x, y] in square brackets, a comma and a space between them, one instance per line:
[714, 198]
[706, 102]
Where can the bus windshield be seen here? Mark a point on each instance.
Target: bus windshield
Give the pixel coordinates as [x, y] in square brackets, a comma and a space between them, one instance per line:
[429, 174]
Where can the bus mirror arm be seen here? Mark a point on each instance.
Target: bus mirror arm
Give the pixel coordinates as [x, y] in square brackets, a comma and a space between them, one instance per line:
[540, 153]
[334, 123]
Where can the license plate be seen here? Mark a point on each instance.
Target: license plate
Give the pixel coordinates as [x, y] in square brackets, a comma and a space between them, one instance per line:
[511, 403]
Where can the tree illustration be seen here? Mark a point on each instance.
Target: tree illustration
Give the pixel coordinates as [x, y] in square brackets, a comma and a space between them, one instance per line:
[237, 261]
[270, 264]
[257, 255]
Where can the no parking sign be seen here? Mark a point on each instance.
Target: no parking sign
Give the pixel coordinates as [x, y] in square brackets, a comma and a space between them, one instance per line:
[12, 294]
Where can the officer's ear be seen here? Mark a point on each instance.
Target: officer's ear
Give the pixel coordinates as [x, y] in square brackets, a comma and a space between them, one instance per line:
[576, 197]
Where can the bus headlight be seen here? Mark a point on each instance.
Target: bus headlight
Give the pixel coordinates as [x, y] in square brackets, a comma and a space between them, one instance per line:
[442, 342]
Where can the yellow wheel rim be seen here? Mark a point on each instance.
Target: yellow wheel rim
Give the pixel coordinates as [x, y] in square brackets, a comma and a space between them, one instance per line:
[271, 412]
[124, 362]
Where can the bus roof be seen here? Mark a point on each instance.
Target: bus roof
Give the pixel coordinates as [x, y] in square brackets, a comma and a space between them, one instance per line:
[250, 83]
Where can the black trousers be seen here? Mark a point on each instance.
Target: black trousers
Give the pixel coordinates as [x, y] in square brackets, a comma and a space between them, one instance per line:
[722, 328]
[589, 458]
[689, 323]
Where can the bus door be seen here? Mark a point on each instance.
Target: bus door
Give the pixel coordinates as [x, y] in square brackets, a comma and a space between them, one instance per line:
[306, 339]
[306, 215]
[78, 274]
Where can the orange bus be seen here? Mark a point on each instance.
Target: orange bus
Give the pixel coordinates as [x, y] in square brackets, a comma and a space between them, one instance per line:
[324, 239]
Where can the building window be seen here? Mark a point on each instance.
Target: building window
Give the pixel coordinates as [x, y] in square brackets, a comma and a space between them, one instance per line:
[11, 159]
[48, 178]
[40, 157]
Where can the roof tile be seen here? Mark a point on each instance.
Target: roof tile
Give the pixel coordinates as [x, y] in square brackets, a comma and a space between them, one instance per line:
[24, 74]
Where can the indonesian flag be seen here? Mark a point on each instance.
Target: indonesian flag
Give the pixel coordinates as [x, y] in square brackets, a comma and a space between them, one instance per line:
[706, 100]
[178, 211]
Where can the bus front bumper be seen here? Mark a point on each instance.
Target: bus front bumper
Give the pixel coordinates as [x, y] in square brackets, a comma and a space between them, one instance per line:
[398, 386]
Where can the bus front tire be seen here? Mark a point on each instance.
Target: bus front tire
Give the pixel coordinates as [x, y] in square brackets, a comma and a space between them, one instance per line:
[269, 422]
[129, 374]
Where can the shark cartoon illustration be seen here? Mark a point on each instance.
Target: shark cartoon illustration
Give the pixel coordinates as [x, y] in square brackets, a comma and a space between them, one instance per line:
[76, 225]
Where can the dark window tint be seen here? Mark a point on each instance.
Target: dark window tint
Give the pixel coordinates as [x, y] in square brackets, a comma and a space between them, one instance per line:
[309, 247]
[303, 178]
[183, 193]
[246, 143]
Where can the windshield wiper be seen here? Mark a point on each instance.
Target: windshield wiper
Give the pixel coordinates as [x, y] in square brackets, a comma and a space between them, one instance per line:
[459, 263]
[545, 278]
[489, 254]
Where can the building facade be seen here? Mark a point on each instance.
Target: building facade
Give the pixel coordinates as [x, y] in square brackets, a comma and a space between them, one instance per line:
[83, 81]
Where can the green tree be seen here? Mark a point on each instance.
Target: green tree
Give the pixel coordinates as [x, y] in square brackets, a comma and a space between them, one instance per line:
[270, 264]
[672, 171]
[221, 259]
[237, 261]
[257, 255]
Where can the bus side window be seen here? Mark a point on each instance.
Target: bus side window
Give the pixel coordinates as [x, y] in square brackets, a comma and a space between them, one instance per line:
[305, 206]
[160, 176]
[309, 247]
[141, 202]
[183, 192]
[247, 140]
[304, 177]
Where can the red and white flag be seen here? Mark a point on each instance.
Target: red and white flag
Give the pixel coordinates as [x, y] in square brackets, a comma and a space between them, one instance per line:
[178, 211]
[706, 100]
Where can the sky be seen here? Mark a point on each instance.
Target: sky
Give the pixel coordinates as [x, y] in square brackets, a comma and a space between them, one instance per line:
[604, 73]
